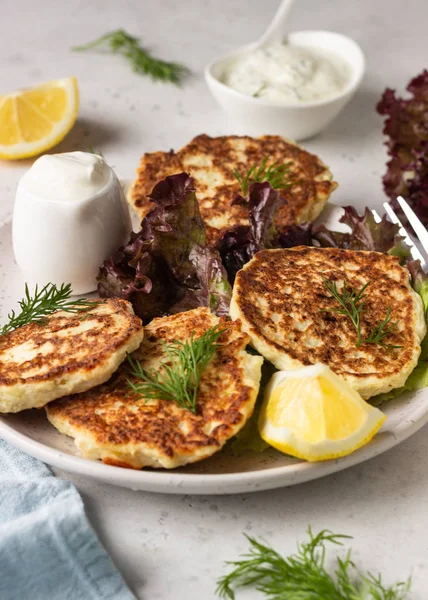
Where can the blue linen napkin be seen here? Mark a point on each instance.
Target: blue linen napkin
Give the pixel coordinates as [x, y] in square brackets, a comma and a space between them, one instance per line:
[48, 550]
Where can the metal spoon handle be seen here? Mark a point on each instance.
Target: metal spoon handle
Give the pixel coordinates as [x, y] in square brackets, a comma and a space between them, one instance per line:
[275, 30]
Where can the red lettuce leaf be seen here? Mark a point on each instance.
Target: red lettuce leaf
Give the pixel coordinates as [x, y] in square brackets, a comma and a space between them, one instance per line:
[295, 235]
[406, 126]
[419, 279]
[238, 245]
[263, 204]
[365, 234]
[167, 267]
[133, 273]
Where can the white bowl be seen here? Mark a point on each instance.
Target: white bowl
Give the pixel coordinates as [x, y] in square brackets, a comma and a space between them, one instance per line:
[296, 121]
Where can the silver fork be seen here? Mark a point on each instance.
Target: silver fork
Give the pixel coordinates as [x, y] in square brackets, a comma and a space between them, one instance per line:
[419, 229]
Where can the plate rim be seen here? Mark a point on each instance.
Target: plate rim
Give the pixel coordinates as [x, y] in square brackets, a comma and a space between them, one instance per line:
[173, 482]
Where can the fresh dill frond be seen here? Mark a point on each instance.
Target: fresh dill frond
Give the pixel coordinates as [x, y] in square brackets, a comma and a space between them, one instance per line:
[92, 150]
[352, 302]
[353, 305]
[44, 301]
[381, 331]
[178, 377]
[303, 575]
[258, 93]
[140, 59]
[275, 174]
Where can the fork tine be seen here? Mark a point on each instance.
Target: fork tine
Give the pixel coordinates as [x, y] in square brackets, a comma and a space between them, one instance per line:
[419, 229]
[416, 255]
[376, 216]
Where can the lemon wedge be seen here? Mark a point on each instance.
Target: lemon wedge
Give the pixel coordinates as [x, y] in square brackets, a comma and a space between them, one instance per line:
[312, 414]
[34, 120]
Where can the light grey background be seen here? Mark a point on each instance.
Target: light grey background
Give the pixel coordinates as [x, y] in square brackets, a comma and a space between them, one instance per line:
[172, 548]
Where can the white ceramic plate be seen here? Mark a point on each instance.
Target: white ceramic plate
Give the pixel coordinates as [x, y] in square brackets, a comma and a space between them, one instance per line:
[223, 473]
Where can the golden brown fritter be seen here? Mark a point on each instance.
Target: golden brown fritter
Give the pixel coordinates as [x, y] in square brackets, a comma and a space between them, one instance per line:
[67, 353]
[118, 426]
[284, 306]
[211, 162]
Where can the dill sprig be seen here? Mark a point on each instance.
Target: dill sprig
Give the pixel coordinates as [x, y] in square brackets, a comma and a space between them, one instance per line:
[303, 576]
[92, 150]
[275, 174]
[178, 377]
[353, 306]
[44, 301]
[140, 59]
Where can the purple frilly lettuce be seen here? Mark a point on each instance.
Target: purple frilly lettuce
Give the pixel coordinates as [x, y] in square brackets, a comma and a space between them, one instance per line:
[406, 126]
[167, 266]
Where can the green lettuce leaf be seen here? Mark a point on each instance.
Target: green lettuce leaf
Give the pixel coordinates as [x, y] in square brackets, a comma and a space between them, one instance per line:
[418, 378]
[249, 438]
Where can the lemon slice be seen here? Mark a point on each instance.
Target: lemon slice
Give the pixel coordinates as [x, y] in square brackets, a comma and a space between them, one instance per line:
[312, 414]
[36, 119]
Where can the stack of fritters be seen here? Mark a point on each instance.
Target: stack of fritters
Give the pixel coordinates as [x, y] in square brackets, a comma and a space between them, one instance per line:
[120, 427]
[66, 364]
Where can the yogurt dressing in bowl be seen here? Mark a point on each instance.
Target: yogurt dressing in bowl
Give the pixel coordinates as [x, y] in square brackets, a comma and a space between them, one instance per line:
[288, 74]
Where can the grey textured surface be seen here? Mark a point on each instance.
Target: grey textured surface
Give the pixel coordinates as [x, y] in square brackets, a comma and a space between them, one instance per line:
[172, 548]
